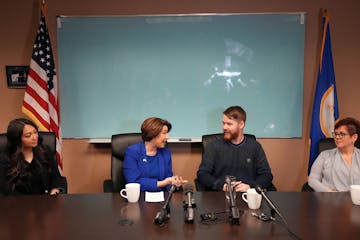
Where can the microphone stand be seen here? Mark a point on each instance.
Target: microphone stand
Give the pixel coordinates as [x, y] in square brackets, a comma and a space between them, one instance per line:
[274, 211]
[164, 214]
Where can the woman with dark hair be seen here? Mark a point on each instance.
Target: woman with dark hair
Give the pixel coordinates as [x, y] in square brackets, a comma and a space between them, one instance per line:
[149, 162]
[336, 169]
[26, 166]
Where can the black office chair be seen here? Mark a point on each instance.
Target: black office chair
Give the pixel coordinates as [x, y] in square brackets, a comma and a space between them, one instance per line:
[206, 140]
[48, 139]
[119, 143]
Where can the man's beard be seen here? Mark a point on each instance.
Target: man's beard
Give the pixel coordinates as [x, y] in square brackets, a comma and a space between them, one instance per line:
[230, 136]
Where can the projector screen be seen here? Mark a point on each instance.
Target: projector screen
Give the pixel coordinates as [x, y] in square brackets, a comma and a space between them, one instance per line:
[116, 71]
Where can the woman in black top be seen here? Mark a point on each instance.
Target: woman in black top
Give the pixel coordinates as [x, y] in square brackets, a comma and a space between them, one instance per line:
[26, 166]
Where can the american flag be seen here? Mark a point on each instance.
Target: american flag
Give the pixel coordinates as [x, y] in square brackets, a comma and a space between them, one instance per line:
[41, 95]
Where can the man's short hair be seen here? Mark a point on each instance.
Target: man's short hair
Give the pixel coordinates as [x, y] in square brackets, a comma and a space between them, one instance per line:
[235, 113]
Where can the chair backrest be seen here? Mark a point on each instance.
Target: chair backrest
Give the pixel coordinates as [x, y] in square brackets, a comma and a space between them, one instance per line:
[206, 139]
[119, 143]
[49, 139]
[329, 143]
[3, 142]
[325, 144]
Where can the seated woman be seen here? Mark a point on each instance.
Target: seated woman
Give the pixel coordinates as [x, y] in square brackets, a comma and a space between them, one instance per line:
[149, 162]
[26, 166]
[336, 169]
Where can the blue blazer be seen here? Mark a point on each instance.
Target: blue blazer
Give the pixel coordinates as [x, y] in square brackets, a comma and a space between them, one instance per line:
[136, 168]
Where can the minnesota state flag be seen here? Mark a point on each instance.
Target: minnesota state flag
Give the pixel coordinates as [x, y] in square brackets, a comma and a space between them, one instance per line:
[325, 108]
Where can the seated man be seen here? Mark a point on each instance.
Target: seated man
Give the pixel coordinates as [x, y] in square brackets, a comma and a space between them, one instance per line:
[235, 155]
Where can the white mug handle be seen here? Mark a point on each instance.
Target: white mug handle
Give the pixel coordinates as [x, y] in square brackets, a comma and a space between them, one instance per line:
[122, 193]
[244, 197]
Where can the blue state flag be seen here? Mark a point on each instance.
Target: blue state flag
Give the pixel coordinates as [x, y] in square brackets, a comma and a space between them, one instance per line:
[325, 108]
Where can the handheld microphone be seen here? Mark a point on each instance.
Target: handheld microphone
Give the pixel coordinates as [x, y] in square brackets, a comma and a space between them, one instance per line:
[234, 211]
[164, 214]
[189, 204]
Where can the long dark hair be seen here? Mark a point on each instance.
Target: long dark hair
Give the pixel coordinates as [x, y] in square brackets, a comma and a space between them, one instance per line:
[15, 156]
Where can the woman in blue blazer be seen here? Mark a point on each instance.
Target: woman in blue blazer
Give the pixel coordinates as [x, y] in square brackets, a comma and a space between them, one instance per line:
[149, 162]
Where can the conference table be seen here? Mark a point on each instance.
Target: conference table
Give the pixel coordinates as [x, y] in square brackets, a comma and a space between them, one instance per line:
[105, 216]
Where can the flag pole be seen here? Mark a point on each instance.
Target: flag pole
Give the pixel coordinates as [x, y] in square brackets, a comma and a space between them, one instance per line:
[43, 7]
[326, 17]
[41, 95]
[325, 106]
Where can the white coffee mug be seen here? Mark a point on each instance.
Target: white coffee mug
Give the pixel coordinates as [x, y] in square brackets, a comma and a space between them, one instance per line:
[355, 194]
[252, 198]
[131, 192]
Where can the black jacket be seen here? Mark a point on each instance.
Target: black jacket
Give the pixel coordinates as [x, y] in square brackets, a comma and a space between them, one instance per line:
[35, 182]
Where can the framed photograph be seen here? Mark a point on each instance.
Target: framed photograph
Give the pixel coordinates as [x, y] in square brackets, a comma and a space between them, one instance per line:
[16, 76]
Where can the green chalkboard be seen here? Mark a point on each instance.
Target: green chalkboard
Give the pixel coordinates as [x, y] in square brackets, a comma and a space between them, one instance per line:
[116, 71]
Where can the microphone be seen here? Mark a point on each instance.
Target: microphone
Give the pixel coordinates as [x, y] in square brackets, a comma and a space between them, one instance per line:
[164, 214]
[189, 204]
[234, 211]
[273, 209]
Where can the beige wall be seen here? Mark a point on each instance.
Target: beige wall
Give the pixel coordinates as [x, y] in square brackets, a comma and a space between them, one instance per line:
[87, 165]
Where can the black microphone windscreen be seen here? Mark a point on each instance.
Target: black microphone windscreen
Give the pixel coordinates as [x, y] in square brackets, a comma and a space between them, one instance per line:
[259, 189]
[227, 180]
[188, 188]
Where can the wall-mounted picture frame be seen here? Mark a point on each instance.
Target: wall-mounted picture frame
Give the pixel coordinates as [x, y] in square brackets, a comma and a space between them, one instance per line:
[16, 76]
